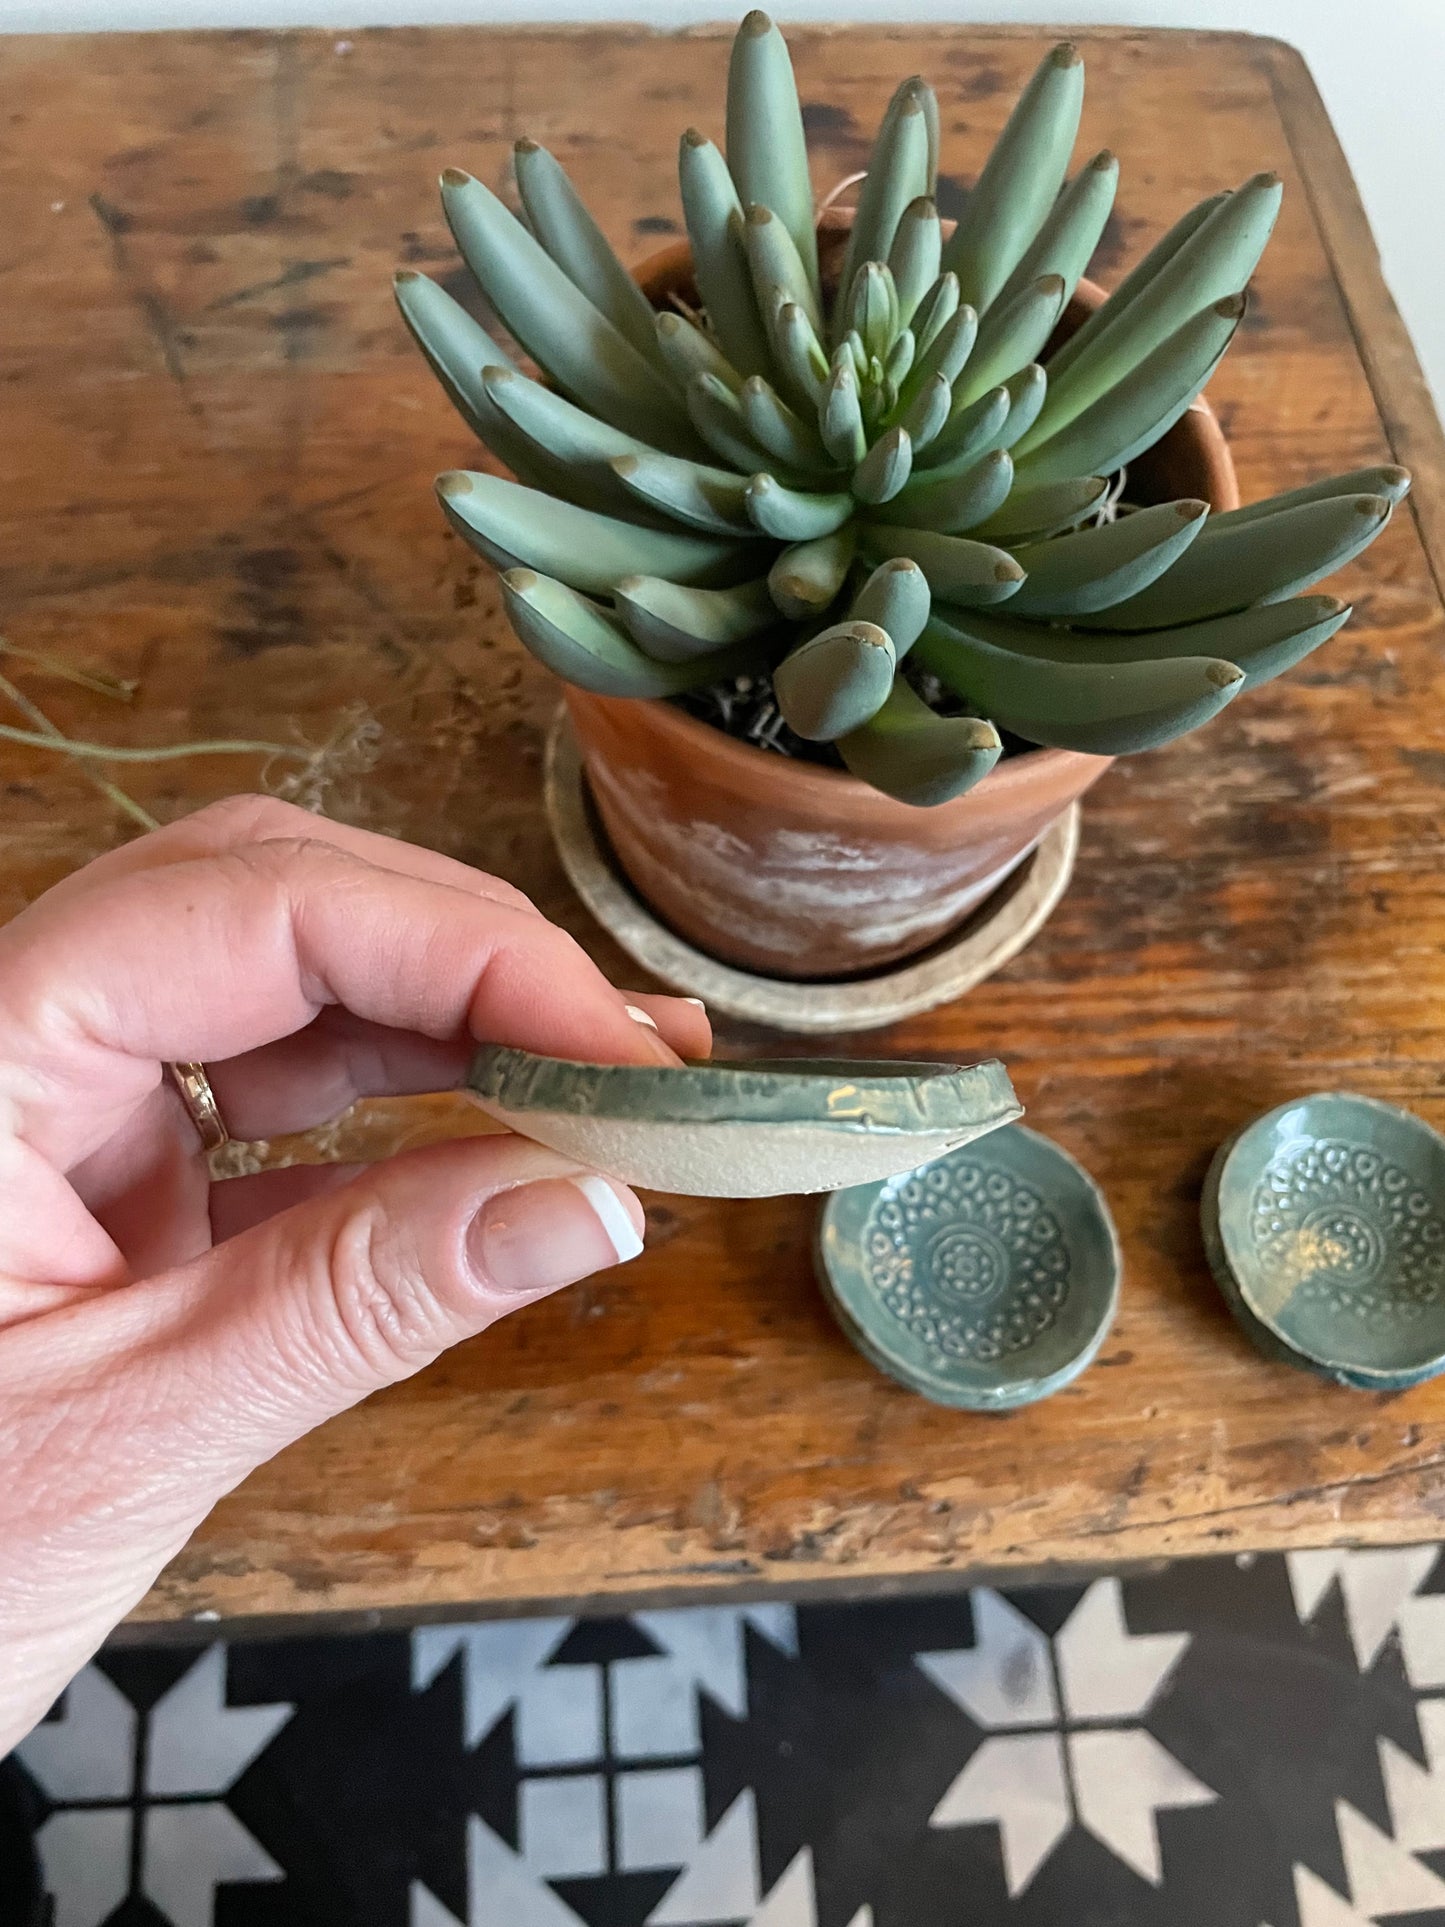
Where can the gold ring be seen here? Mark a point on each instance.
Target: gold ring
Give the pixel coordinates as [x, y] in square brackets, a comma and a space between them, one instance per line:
[200, 1102]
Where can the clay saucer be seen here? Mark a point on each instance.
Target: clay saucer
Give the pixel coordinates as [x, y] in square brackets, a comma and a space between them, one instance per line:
[744, 1130]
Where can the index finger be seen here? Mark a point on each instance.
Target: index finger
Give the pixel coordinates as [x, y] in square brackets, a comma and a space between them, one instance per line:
[217, 955]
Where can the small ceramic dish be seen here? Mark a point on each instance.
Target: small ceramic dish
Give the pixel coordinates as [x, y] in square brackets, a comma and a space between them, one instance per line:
[753, 1130]
[987, 1280]
[1324, 1224]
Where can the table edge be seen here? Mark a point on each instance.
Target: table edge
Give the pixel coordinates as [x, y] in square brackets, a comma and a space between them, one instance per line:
[1397, 381]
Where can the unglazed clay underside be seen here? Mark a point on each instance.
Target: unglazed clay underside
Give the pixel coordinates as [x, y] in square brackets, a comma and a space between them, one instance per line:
[731, 1159]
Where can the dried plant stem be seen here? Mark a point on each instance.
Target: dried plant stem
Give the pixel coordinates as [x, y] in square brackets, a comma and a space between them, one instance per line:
[54, 738]
[103, 685]
[157, 753]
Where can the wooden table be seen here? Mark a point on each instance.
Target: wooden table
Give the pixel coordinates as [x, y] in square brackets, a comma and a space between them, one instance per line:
[218, 447]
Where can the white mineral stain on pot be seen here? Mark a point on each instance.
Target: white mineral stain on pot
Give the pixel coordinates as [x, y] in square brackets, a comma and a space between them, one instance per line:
[860, 896]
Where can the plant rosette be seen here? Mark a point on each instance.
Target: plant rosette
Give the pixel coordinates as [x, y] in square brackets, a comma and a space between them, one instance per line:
[859, 486]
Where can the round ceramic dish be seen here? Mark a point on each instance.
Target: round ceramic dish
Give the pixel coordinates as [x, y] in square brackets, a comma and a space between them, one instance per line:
[987, 1280]
[1324, 1224]
[751, 1130]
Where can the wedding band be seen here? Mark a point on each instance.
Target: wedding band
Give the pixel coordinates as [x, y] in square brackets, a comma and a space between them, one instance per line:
[200, 1102]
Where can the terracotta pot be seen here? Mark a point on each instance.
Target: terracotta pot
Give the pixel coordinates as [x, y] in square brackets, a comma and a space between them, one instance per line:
[793, 870]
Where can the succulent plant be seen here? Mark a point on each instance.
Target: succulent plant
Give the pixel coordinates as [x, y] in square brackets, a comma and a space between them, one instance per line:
[823, 467]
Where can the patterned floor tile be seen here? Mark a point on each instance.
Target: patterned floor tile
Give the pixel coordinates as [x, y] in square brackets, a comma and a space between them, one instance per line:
[1229, 1743]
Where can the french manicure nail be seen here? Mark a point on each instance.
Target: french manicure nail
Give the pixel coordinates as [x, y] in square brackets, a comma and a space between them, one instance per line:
[538, 1237]
[639, 1016]
[695, 1000]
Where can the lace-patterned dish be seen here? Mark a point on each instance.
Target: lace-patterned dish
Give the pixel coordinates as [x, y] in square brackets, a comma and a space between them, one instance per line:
[986, 1280]
[1324, 1222]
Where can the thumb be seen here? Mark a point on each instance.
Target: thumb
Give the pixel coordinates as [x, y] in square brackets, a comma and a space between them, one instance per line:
[302, 1316]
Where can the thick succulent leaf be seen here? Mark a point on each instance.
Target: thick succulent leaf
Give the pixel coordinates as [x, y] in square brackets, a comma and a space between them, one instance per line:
[968, 433]
[834, 682]
[807, 576]
[672, 623]
[710, 499]
[687, 351]
[1239, 564]
[718, 417]
[780, 431]
[1010, 338]
[1026, 393]
[1092, 569]
[871, 310]
[916, 756]
[1065, 244]
[896, 598]
[946, 355]
[913, 259]
[1213, 265]
[953, 503]
[568, 232]
[897, 174]
[1135, 282]
[1391, 483]
[853, 342]
[583, 644]
[1020, 180]
[516, 527]
[555, 322]
[767, 147]
[795, 515]
[776, 265]
[899, 359]
[1105, 709]
[879, 395]
[802, 364]
[564, 449]
[961, 571]
[457, 346]
[554, 424]
[928, 412]
[714, 219]
[840, 413]
[457, 349]
[885, 468]
[1263, 641]
[1048, 509]
[938, 306]
[1140, 408]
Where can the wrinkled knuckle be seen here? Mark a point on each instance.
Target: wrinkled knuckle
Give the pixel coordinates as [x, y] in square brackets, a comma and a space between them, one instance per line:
[249, 818]
[391, 1316]
[276, 859]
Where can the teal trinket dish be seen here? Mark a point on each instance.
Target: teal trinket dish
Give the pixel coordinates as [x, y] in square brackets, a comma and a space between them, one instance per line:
[1324, 1225]
[744, 1130]
[987, 1280]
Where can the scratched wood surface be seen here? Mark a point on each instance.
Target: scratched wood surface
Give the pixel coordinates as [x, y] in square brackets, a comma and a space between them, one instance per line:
[218, 446]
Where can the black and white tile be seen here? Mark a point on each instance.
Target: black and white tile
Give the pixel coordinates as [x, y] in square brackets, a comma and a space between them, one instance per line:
[1229, 1743]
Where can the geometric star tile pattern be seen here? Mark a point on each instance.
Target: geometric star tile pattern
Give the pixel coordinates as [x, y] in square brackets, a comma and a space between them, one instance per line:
[1229, 1743]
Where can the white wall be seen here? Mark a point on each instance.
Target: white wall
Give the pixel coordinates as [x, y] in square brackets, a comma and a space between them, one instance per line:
[1380, 67]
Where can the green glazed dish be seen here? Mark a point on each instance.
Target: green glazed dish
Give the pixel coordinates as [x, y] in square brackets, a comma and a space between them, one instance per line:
[751, 1130]
[986, 1280]
[1324, 1225]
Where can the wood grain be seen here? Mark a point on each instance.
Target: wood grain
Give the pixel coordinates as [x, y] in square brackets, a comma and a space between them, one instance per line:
[219, 445]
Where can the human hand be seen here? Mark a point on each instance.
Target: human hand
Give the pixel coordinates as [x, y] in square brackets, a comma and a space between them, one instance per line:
[160, 1337]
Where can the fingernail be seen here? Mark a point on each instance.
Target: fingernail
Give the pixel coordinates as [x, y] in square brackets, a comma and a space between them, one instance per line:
[661, 1050]
[538, 1237]
[695, 1000]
